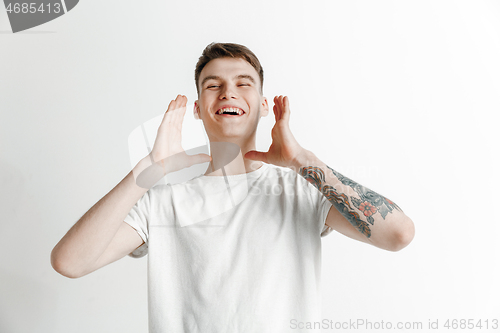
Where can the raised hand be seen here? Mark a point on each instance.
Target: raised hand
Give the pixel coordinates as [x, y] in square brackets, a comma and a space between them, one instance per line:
[284, 149]
[167, 154]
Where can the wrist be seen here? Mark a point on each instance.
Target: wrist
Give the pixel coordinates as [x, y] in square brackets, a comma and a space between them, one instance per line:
[147, 172]
[303, 159]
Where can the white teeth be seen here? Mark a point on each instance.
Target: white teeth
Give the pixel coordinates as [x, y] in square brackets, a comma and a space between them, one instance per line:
[221, 111]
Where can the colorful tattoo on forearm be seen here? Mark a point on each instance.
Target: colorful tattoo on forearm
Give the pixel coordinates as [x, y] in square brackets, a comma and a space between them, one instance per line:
[367, 202]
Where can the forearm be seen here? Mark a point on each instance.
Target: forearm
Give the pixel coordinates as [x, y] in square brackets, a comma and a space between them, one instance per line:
[374, 216]
[87, 240]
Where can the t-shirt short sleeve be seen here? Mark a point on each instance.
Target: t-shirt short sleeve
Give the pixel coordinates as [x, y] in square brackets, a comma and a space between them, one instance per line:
[325, 206]
[321, 205]
[138, 218]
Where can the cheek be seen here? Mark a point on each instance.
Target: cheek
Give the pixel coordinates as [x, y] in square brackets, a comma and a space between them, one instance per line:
[207, 102]
[202, 106]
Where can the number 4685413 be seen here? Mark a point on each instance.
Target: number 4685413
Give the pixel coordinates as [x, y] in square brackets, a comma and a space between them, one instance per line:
[471, 324]
[32, 8]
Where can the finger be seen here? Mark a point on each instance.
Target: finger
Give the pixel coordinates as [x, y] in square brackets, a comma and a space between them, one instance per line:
[286, 108]
[170, 108]
[180, 107]
[182, 104]
[200, 158]
[280, 107]
[275, 109]
[182, 101]
[176, 102]
[170, 105]
[173, 104]
[256, 156]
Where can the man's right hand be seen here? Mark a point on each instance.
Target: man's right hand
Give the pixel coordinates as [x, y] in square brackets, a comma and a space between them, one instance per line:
[167, 154]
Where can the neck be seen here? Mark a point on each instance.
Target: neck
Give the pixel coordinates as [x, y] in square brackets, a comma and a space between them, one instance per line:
[229, 156]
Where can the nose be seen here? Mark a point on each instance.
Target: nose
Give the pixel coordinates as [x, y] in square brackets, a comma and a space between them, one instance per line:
[227, 93]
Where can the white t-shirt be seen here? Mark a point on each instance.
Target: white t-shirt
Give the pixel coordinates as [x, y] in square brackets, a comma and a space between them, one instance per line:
[240, 253]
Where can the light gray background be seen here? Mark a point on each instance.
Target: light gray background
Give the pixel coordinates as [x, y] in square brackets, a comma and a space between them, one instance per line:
[401, 96]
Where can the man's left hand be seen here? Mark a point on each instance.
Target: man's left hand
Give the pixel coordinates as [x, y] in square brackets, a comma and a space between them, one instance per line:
[284, 150]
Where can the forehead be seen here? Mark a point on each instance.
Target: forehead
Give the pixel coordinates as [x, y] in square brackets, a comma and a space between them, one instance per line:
[228, 68]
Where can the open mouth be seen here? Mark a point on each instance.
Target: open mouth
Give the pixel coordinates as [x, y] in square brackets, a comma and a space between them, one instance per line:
[230, 112]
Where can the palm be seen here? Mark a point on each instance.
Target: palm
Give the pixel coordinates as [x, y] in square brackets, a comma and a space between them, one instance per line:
[284, 148]
[167, 149]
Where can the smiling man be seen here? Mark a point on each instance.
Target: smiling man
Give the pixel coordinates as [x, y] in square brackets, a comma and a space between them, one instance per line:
[230, 95]
[255, 265]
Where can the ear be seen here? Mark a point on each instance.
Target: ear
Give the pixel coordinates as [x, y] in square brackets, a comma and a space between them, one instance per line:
[264, 107]
[196, 110]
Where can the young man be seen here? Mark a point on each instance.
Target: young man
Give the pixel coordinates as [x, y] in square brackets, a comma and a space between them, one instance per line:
[227, 252]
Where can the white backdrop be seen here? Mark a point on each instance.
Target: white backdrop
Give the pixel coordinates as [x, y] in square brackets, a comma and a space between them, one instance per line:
[398, 95]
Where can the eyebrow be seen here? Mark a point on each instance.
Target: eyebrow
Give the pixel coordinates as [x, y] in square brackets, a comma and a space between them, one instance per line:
[215, 77]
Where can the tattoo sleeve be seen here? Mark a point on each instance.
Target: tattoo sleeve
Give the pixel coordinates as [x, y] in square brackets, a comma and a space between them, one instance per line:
[359, 209]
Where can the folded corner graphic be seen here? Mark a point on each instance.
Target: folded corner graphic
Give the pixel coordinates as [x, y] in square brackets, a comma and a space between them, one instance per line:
[29, 14]
[223, 193]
